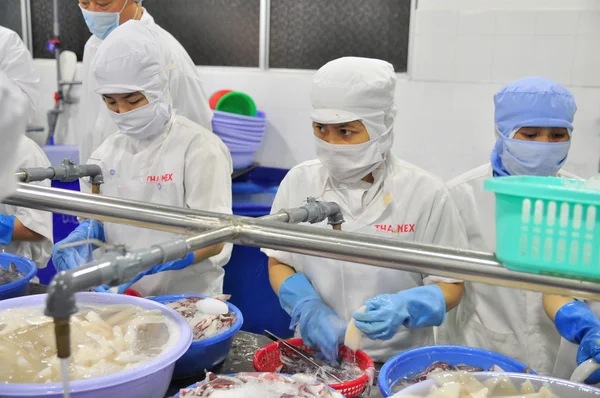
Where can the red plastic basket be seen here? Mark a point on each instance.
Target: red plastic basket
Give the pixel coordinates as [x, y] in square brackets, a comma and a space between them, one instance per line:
[268, 359]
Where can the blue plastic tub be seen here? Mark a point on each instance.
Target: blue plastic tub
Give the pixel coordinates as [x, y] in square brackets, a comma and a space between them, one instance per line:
[242, 160]
[24, 266]
[414, 361]
[203, 355]
[247, 274]
[62, 226]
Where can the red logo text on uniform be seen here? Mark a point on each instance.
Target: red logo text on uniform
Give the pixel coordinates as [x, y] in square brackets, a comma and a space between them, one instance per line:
[397, 229]
[160, 178]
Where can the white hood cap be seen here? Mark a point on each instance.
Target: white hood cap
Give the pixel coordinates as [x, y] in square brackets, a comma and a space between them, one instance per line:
[130, 60]
[353, 88]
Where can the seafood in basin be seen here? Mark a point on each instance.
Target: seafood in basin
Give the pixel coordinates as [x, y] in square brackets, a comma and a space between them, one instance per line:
[292, 364]
[105, 339]
[264, 385]
[437, 367]
[465, 385]
[10, 275]
[206, 317]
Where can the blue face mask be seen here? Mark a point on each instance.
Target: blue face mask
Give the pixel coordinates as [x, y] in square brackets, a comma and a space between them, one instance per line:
[102, 23]
[534, 158]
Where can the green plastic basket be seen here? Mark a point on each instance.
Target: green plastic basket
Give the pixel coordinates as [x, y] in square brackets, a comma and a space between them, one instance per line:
[547, 225]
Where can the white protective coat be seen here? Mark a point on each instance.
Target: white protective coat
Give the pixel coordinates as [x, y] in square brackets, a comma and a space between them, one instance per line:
[13, 121]
[407, 203]
[508, 321]
[17, 66]
[182, 165]
[185, 86]
[17, 63]
[29, 154]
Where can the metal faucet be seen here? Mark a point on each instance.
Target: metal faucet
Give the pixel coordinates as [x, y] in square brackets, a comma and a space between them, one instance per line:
[54, 46]
[313, 212]
[67, 171]
[113, 269]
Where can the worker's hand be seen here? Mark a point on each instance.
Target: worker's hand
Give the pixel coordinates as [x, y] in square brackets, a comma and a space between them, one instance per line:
[417, 307]
[7, 226]
[72, 257]
[576, 322]
[103, 289]
[320, 327]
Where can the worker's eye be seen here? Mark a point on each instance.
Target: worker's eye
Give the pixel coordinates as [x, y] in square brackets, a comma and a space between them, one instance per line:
[530, 135]
[84, 4]
[320, 128]
[345, 132]
[135, 101]
[559, 136]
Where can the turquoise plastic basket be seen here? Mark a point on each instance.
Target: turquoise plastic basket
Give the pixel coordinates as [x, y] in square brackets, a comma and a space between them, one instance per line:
[547, 225]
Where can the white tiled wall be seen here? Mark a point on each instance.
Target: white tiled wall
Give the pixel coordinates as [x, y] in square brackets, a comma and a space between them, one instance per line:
[464, 50]
[498, 41]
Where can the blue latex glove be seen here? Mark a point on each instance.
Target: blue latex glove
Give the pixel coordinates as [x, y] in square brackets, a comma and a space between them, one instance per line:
[72, 257]
[320, 327]
[172, 266]
[7, 226]
[576, 322]
[417, 307]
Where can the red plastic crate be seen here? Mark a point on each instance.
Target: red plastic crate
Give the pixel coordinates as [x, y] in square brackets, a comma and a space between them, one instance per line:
[268, 359]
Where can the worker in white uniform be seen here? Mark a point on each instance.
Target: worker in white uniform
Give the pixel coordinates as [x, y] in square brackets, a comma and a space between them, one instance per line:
[23, 231]
[353, 117]
[102, 17]
[13, 122]
[533, 120]
[157, 156]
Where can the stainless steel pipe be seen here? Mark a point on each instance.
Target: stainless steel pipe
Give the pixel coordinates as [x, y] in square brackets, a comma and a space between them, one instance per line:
[409, 256]
[382, 252]
[106, 208]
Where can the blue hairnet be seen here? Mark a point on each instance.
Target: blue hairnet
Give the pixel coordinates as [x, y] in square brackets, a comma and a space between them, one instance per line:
[533, 102]
[530, 102]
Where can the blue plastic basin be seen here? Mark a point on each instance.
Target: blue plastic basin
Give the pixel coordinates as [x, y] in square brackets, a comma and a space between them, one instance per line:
[203, 355]
[24, 266]
[411, 362]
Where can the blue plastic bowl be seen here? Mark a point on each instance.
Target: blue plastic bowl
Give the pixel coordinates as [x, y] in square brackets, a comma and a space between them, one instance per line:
[240, 120]
[233, 374]
[24, 266]
[414, 361]
[241, 160]
[238, 135]
[203, 355]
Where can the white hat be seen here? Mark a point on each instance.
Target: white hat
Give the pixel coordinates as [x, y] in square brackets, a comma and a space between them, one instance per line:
[130, 60]
[353, 88]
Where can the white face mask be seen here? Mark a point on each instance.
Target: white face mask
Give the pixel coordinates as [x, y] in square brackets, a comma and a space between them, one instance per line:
[144, 122]
[349, 163]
